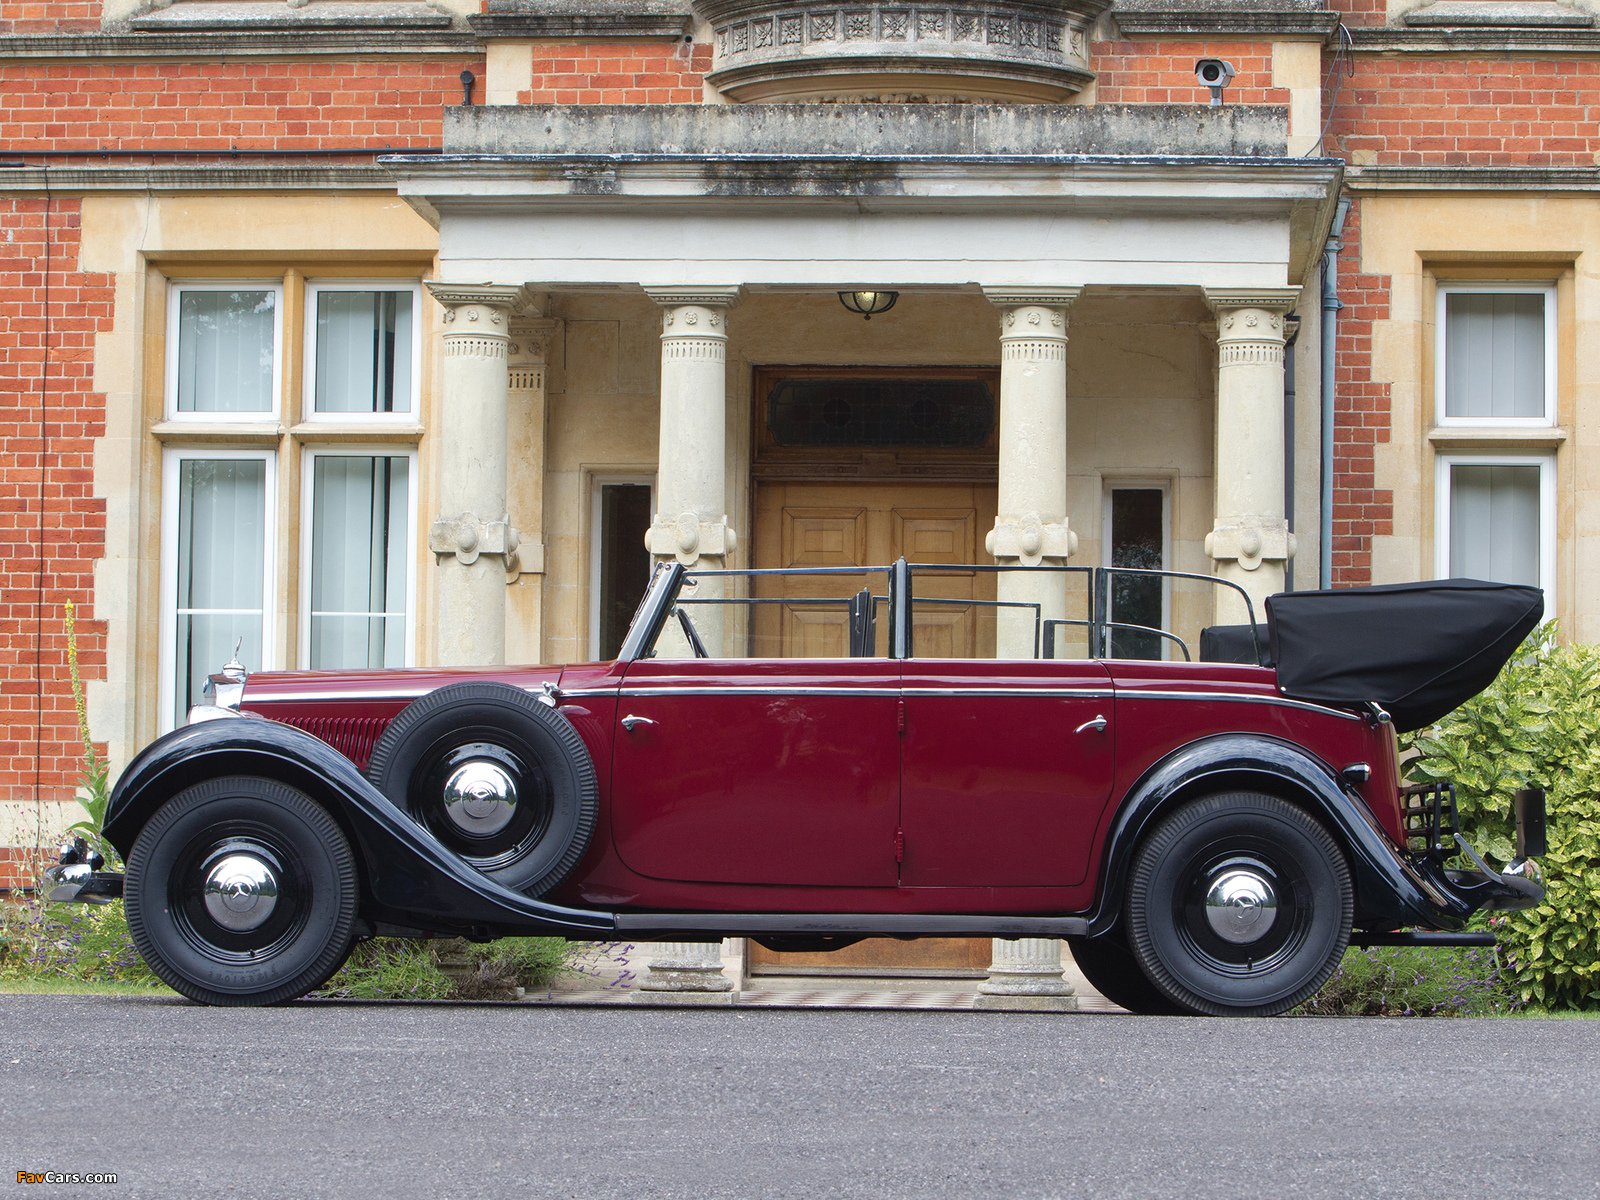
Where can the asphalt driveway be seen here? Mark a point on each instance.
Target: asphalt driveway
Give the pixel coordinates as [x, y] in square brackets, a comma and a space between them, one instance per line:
[318, 1100]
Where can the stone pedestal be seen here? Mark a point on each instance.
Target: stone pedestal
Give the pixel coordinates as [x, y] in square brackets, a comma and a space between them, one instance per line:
[691, 522]
[473, 540]
[1031, 527]
[1026, 974]
[686, 973]
[1250, 539]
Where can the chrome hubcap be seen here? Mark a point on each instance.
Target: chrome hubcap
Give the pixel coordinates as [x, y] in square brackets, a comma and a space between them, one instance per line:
[480, 798]
[1241, 906]
[240, 892]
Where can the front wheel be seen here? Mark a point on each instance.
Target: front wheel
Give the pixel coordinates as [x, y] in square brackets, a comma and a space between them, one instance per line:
[1239, 905]
[242, 891]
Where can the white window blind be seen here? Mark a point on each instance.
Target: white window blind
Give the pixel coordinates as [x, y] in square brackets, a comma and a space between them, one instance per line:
[364, 345]
[1496, 355]
[1495, 522]
[227, 345]
[360, 519]
[219, 566]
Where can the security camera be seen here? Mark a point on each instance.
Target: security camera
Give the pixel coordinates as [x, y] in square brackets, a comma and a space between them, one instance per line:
[1216, 75]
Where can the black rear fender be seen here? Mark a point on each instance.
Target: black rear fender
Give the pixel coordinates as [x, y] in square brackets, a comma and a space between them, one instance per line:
[1389, 891]
[407, 876]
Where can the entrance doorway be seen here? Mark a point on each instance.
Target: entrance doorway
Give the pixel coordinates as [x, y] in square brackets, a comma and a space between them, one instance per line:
[859, 468]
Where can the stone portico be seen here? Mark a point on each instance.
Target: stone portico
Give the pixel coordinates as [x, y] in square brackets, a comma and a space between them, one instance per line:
[1031, 213]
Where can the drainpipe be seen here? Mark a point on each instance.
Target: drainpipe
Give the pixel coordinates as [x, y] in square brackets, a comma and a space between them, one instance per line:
[1330, 339]
[1291, 329]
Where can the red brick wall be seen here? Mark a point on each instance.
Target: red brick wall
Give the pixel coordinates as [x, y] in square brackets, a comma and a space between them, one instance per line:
[1163, 72]
[46, 482]
[253, 105]
[1361, 417]
[56, 16]
[1416, 111]
[646, 73]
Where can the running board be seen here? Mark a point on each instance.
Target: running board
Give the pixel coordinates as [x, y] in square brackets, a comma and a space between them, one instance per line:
[675, 926]
[1420, 937]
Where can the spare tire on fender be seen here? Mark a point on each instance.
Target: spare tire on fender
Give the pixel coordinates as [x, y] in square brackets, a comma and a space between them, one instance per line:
[500, 777]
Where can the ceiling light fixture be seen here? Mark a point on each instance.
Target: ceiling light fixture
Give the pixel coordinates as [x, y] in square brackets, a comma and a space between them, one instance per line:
[867, 303]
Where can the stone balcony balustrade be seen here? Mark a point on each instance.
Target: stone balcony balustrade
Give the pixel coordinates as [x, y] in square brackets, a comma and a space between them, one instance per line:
[785, 51]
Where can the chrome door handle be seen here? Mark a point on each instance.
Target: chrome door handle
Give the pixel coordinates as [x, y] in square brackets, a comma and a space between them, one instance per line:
[629, 721]
[1098, 724]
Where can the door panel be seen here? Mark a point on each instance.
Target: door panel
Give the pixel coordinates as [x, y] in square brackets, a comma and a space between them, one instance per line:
[999, 788]
[808, 792]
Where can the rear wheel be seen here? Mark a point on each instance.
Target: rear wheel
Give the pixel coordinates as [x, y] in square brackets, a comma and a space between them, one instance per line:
[1239, 904]
[241, 891]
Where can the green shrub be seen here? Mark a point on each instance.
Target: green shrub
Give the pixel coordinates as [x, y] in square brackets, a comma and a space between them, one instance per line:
[1409, 981]
[1537, 725]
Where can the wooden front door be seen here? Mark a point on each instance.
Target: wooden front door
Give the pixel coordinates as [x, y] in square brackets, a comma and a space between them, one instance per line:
[870, 525]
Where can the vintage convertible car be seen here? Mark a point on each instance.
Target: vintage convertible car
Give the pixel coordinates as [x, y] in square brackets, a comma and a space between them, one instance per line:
[1208, 836]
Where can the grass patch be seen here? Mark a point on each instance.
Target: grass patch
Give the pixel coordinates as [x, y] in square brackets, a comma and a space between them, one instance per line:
[79, 987]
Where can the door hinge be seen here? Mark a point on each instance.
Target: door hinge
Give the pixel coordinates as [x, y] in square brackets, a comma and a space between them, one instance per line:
[899, 845]
[900, 716]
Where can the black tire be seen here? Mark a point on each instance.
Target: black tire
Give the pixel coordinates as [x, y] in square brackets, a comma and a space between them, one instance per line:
[1240, 957]
[1112, 971]
[504, 744]
[228, 831]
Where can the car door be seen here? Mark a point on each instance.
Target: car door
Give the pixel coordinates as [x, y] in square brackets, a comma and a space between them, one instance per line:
[759, 771]
[1007, 768]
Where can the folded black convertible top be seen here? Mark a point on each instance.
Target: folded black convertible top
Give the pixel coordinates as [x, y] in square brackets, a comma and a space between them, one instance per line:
[1416, 649]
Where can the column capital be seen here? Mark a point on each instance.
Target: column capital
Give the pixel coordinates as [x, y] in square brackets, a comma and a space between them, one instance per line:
[532, 336]
[1272, 300]
[700, 297]
[508, 297]
[1037, 297]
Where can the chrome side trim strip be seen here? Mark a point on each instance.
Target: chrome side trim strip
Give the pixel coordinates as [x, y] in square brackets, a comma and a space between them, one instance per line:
[891, 693]
[1124, 694]
[1047, 693]
[364, 694]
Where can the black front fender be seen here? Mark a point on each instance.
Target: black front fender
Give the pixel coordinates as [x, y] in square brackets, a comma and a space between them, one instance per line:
[1390, 892]
[409, 878]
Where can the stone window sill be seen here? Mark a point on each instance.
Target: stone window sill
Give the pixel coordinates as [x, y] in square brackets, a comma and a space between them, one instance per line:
[1471, 436]
[198, 15]
[234, 433]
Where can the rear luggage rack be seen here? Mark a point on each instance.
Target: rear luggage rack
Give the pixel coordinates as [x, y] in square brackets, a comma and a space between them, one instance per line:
[1430, 819]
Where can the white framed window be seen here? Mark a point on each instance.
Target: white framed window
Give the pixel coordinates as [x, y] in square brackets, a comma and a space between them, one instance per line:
[217, 577]
[621, 507]
[357, 567]
[1495, 518]
[1495, 355]
[224, 347]
[363, 353]
[1137, 532]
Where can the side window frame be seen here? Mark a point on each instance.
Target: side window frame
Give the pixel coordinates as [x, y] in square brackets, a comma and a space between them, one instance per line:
[597, 483]
[171, 470]
[1546, 462]
[1443, 291]
[174, 351]
[308, 531]
[315, 288]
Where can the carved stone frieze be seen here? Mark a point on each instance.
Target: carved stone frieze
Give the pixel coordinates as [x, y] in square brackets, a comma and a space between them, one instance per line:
[1026, 50]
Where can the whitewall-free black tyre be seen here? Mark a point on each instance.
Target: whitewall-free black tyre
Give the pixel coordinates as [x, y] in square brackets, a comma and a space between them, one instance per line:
[242, 891]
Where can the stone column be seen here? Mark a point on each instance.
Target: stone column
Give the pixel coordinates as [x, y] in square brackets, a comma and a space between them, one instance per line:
[1031, 527]
[472, 539]
[1249, 539]
[1026, 973]
[691, 526]
[691, 522]
[525, 483]
[686, 973]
